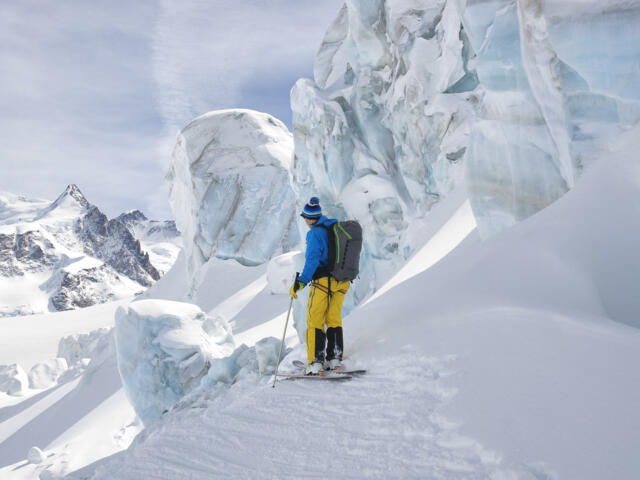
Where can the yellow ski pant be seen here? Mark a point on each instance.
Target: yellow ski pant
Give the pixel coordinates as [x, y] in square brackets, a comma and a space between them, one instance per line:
[324, 308]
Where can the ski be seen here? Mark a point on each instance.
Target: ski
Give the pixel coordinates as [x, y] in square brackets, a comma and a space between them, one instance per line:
[293, 376]
[299, 364]
[347, 372]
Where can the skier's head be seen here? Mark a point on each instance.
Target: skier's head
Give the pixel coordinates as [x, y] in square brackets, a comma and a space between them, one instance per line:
[312, 211]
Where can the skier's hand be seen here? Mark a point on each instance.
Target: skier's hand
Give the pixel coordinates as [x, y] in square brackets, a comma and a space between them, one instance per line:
[297, 285]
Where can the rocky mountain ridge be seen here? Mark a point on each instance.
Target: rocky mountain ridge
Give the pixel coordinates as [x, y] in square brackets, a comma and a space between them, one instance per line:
[67, 254]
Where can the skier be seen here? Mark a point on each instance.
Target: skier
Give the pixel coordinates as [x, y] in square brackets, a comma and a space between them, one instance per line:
[326, 295]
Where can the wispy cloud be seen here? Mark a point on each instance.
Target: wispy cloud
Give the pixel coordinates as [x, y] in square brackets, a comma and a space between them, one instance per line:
[93, 92]
[216, 56]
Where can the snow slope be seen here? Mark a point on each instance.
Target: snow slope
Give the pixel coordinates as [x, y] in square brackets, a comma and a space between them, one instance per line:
[77, 422]
[511, 358]
[34, 338]
[536, 318]
[88, 418]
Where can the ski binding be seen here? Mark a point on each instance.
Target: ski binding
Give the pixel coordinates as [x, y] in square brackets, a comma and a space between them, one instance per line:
[299, 364]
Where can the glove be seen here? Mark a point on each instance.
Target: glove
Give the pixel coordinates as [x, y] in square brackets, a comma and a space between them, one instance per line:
[298, 285]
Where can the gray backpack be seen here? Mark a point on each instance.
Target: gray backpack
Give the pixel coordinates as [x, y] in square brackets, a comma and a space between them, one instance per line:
[345, 244]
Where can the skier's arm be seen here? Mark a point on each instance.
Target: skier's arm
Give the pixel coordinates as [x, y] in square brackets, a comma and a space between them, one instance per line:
[312, 258]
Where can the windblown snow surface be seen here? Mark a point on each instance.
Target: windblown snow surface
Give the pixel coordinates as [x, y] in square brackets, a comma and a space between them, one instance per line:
[510, 358]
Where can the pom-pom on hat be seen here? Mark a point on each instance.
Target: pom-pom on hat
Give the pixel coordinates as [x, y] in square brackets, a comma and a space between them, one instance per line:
[312, 209]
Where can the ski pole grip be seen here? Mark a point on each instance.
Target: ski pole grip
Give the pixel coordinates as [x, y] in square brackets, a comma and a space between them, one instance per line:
[297, 275]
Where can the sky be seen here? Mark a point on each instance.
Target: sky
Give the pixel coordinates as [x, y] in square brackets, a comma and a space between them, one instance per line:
[94, 93]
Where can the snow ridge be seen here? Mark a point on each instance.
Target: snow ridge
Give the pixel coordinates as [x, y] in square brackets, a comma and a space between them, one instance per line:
[364, 423]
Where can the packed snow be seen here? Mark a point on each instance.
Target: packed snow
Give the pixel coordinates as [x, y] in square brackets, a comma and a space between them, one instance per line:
[511, 358]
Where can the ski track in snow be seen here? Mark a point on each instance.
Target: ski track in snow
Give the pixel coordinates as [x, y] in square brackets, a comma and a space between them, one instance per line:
[381, 425]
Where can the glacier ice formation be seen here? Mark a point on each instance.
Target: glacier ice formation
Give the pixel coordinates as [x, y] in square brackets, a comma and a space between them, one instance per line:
[46, 374]
[381, 134]
[13, 379]
[84, 346]
[164, 349]
[514, 95]
[229, 188]
[510, 99]
[412, 100]
[380, 119]
[557, 78]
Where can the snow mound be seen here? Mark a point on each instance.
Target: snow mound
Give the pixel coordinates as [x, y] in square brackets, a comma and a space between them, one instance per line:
[163, 349]
[76, 347]
[267, 351]
[35, 455]
[281, 272]
[230, 191]
[46, 374]
[245, 362]
[13, 379]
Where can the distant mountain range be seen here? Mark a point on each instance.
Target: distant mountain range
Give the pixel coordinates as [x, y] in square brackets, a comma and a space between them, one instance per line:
[67, 254]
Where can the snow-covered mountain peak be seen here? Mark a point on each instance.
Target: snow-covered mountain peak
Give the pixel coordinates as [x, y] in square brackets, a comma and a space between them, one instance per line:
[67, 254]
[70, 203]
[72, 194]
[132, 216]
[16, 209]
[160, 239]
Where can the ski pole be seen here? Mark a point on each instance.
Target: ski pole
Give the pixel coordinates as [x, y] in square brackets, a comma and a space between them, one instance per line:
[275, 376]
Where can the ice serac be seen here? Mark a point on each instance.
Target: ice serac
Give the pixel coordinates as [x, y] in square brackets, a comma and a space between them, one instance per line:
[559, 77]
[163, 349]
[90, 346]
[13, 379]
[381, 134]
[230, 191]
[46, 374]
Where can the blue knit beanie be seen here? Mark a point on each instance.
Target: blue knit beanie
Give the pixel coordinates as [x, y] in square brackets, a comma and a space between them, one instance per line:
[312, 209]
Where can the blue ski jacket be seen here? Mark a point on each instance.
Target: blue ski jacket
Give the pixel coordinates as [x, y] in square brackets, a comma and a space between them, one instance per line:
[317, 254]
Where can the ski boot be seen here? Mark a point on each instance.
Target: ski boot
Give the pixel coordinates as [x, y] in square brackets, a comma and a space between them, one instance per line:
[334, 364]
[334, 348]
[315, 368]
